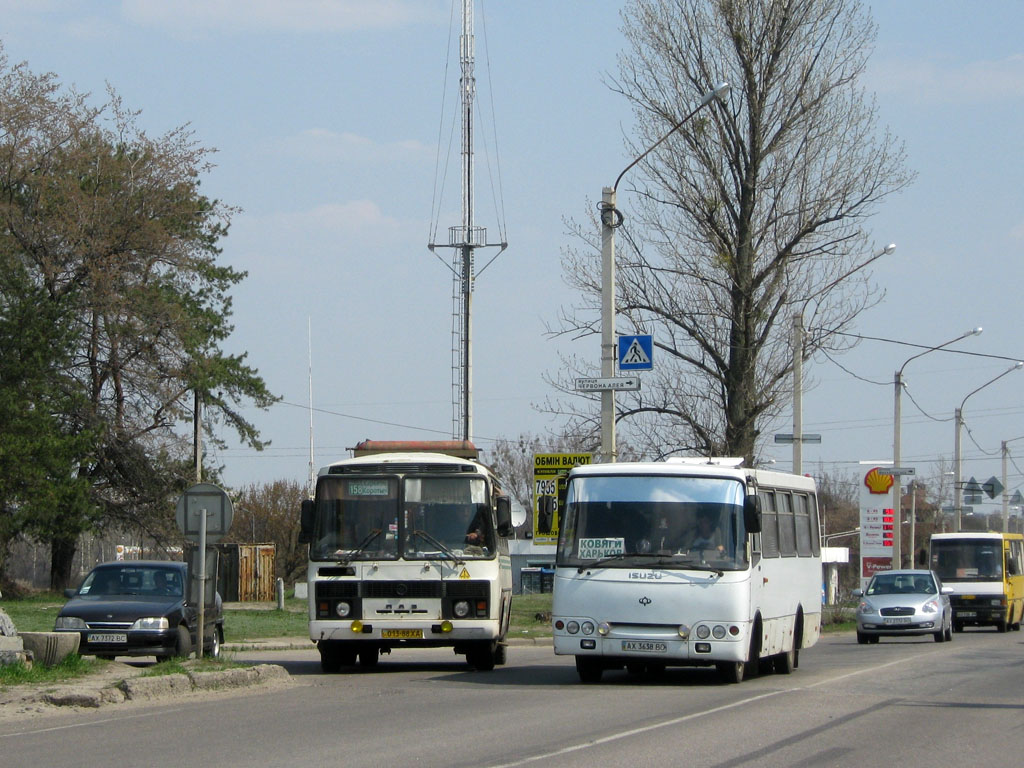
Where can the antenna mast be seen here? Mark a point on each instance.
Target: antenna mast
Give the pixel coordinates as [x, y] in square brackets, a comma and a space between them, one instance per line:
[464, 240]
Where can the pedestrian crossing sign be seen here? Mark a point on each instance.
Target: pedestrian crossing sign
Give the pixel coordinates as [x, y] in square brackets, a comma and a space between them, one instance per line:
[636, 353]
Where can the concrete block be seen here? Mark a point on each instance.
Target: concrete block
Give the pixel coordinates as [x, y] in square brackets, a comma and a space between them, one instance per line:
[302, 590]
[50, 648]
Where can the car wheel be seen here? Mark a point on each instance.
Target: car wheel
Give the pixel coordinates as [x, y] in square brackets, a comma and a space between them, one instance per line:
[949, 633]
[1001, 625]
[589, 669]
[875, 639]
[862, 638]
[939, 636]
[182, 643]
[958, 626]
[214, 649]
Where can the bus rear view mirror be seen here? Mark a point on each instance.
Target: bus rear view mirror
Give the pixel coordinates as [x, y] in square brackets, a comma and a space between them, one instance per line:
[503, 511]
[545, 514]
[306, 521]
[752, 514]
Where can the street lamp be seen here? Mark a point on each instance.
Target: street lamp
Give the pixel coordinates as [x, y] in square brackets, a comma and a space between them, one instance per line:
[958, 458]
[611, 219]
[898, 390]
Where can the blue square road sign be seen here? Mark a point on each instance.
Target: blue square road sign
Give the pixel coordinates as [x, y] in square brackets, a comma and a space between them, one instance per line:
[636, 353]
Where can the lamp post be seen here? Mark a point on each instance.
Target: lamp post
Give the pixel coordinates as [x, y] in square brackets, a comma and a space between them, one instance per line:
[611, 219]
[958, 458]
[898, 390]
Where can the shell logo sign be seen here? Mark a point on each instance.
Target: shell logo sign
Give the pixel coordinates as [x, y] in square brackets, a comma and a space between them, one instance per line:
[877, 524]
[876, 482]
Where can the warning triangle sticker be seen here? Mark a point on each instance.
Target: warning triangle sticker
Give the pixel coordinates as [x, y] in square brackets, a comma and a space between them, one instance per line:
[635, 355]
[464, 574]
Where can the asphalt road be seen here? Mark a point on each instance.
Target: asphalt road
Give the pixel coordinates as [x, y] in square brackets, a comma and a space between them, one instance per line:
[908, 702]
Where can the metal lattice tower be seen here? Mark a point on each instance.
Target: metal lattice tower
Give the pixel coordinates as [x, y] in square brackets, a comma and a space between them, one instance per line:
[464, 240]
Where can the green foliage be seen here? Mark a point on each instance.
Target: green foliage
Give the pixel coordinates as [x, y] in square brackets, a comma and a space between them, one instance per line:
[112, 311]
[69, 668]
[242, 625]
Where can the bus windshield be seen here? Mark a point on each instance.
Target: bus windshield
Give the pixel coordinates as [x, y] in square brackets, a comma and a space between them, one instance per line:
[968, 559]
[665, 521]
[387, 518]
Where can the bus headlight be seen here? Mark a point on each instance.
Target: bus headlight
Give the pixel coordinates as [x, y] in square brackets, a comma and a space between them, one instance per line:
[343, 609]
[461, 609]
[684, 631]
[572, 627]
[703, 632]
[587, 627]
[718, 632]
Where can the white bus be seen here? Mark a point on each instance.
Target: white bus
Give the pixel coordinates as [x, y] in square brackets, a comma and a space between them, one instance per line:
[407, 548]
[687, 562]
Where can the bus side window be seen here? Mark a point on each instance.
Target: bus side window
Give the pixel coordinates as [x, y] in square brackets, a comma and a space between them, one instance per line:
[803, 525]
[787, 530]
[769, 524]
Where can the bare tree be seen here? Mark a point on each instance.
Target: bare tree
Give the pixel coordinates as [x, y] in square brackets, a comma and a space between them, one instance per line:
[751, 213]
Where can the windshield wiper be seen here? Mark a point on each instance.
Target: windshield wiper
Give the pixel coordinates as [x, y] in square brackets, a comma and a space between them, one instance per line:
[451, 555]
[361, 546]
[612, 558]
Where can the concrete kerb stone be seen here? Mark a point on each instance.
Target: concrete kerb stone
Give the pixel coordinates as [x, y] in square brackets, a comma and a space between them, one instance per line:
[162, 686]
[91, 695]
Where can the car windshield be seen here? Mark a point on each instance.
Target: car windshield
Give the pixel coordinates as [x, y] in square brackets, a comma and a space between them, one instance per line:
[901, 584]
[667, 521]
[141, 581]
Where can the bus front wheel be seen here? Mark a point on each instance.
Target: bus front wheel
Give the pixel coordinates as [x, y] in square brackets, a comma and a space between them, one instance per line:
[589, 668]
[731, 671]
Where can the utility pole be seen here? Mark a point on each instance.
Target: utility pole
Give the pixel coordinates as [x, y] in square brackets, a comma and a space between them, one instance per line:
[197, 436]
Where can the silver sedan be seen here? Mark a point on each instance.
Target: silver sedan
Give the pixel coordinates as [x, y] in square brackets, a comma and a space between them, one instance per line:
[906, 602]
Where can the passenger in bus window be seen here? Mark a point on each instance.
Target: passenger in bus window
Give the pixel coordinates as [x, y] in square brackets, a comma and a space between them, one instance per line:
[707, 535]
[476, 534]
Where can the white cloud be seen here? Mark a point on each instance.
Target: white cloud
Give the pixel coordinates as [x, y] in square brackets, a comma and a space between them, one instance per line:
[326, 145]
[942, 81]
[355, 224]
[281, 15]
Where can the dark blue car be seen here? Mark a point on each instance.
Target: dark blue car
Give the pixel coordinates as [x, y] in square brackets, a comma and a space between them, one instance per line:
[140, 608]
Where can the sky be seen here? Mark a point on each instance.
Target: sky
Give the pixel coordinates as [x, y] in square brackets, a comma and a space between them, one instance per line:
[327, 118]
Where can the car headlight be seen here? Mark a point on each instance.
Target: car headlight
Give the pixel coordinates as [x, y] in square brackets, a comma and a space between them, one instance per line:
[932, 606]
[866, 608]
[70, 622]
[151, 623]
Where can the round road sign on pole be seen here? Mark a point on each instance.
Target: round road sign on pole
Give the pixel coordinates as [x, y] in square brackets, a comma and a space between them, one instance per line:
[211, 500]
